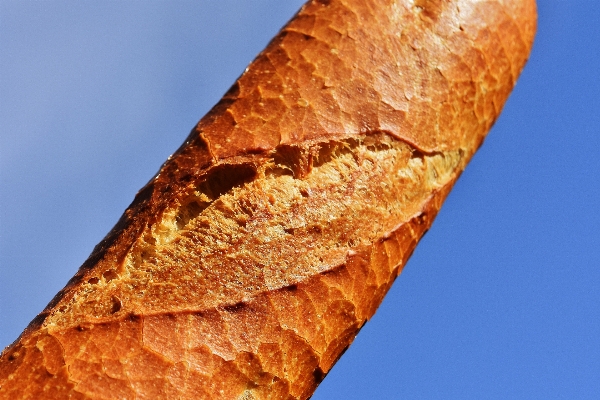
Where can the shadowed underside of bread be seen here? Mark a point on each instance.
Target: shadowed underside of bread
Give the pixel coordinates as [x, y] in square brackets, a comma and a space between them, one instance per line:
[248, 264]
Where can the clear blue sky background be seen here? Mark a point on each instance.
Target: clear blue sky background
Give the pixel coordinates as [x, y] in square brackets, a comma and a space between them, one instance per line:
[500, 300]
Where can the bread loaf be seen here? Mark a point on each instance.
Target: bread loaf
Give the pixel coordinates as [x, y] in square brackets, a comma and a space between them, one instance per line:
[248, 264]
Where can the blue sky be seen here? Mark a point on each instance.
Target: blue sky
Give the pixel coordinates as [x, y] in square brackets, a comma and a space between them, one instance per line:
[501, 298]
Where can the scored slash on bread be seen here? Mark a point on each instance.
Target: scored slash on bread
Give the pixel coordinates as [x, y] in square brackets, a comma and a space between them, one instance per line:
[248, 264]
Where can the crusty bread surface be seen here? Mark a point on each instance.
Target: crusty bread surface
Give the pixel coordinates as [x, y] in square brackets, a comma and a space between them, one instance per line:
[248, 264]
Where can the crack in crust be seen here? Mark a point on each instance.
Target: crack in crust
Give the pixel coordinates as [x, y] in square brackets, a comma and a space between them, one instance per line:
[313, 203]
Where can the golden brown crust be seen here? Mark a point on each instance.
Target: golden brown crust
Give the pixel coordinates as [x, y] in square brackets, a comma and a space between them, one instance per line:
[249, 263]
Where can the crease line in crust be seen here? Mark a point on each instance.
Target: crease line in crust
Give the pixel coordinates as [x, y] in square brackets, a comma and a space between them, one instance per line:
[262, 222]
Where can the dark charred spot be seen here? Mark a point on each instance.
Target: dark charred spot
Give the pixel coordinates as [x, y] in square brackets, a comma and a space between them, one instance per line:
[318, 375]
[14, 355]
[234, 91]
[291, 288]
[134, 318]
[234, 307]
[316, 229]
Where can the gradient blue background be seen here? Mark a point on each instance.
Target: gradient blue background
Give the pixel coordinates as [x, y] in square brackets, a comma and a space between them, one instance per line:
[501, 298]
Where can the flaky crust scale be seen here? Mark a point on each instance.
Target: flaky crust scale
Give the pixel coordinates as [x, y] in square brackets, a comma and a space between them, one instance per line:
[414, 85]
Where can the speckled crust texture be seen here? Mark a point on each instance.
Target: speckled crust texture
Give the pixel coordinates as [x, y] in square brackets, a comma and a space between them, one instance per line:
[246, 267]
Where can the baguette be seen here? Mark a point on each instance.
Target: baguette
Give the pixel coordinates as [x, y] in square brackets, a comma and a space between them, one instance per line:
[247, 265]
